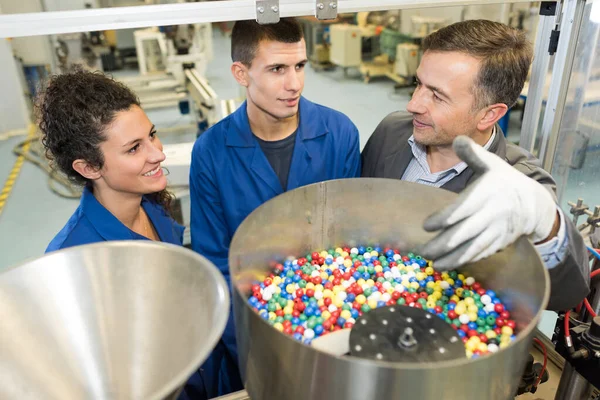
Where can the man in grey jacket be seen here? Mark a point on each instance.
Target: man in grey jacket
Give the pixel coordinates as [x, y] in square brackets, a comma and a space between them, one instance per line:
[470, 74]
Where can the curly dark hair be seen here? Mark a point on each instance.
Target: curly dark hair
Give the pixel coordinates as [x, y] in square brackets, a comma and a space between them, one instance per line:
[73, 111]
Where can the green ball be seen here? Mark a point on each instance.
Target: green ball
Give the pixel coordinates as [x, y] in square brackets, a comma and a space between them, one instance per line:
[490, 320]
[401, 301]
[302, 283]
[365, 308]
[346, 306]
[481, 321]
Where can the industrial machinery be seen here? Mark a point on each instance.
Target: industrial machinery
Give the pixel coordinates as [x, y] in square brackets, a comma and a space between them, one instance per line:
[111, 320]
[320, 216]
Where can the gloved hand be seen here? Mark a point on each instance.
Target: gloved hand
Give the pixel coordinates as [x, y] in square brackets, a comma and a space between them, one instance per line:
[493, 212]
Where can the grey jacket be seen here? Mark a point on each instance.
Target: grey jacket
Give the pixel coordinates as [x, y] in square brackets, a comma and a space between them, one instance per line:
[388, 153]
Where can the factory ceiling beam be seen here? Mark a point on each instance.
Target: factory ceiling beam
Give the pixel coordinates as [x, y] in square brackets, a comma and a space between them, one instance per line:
[46, 23]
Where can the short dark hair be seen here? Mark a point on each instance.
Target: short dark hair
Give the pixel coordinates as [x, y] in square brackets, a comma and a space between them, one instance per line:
[73, 111]
[505, 55]
[246, 35]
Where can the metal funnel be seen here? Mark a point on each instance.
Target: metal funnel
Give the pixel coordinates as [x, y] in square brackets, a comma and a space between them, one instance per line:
[112, 320]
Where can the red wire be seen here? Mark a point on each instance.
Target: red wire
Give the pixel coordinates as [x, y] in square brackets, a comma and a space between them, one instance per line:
[539, 379]
[596, 272]
[567, 316]
[589, 307]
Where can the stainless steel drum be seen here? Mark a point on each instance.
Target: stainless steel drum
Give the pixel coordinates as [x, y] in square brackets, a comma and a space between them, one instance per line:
[113, 320]
[370, 211]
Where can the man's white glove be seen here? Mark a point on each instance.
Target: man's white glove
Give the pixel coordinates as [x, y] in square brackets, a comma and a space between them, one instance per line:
[493, 212]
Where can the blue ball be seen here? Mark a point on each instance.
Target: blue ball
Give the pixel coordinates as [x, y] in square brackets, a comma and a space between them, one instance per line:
[318, 330]
[361, 250]
[366, 276]
[390, 259]
[296, 278]
[296, 321]
[356, 275]
[297, 336]
[491, 293]
[287, 263]
[389, 253]
[449, 292]
[380, 303]
[290, 296]
[422, 263]
[377, 249]
[328, 261]
[252, 300]
[354, 313]
[317, 313]
[387, 269]
[458, 283]
[472, 325]
[309, 311]
[431, 310]
[460, 333]
[304, 298]
[341, 321]
[307, 341]
[262, 285]
[429, 279]
[442, 316]
[481, 313]
[328, 271]
[412, 279]
[350, 298]
[288, 281]
[494, 314]
[451, 306]
[423, 283]
[496, 301]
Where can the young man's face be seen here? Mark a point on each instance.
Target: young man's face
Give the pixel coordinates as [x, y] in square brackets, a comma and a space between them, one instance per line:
[275, 78]
[443, 103]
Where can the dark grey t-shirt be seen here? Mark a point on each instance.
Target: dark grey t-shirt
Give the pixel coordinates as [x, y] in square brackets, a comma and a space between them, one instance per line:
[279, 153]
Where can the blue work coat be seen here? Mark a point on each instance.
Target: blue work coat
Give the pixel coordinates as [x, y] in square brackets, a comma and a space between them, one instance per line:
[230, 176]
[92, 223]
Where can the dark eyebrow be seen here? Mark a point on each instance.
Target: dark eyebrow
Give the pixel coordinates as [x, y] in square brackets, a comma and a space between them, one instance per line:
[284, 65]
[131, 142]
[434, 89]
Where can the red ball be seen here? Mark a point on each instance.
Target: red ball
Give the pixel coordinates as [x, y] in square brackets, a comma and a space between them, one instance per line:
[405, 259]
[299, 292]
[439, 309]
[329, 285]
[300, 307]
[286, 323]
[500, 322]
[379, 275]
[327, 301]
[298, 272]
[336, 314]
[511, 324]
[505, 315]
[452, 314]
[322, 308]
[315, 262]
[498, 331]
[472, 332]
[476, 286]
[346, 249]
[357, 264]
[390, 302]
[358, 290]
[317, 280]
[337, 328]
[415, 296]
[464, 328]
[258, 296]
[314, 255]
[423, 295]
[300, 329]
[306, 277]
[279, 267]
[477, 352]
[326, 325]
[337, 273]
[396, 295]
[348, 325]
[321, 261]
[499, 308]
[376, 262]
[310, 292]
[255, 288]
[288, 330]
[301, 261]
[481, 292]
[418, 305]
[377, 285]
[268, 282]
[295, 313]
[392, 264]
[356, 305]
[347, 276]
[483, 338]
[336, 281]
[465, 339]
[279, 313]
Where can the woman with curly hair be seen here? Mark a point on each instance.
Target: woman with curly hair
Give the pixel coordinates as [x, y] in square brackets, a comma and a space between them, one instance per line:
[95, 132]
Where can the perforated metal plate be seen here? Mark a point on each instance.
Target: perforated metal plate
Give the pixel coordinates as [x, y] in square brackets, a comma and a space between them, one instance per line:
[404, 334]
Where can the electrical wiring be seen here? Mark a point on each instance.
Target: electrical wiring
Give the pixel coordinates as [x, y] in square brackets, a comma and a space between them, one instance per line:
[539, 379]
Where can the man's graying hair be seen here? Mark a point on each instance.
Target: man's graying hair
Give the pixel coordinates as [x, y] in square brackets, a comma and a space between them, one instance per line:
[504, 52]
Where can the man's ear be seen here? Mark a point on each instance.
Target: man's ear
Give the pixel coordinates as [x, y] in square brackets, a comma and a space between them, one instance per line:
[240, 73]
[86, 170]
[492, 114]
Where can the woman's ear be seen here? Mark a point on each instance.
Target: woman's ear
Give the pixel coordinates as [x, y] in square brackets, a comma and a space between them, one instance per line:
[86, 170]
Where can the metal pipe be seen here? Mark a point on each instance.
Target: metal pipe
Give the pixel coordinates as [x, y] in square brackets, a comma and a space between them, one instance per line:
[572, 386]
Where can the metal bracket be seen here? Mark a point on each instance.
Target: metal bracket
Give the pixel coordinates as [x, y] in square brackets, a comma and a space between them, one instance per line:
[326, 9]
[548, 8]
[267, 11]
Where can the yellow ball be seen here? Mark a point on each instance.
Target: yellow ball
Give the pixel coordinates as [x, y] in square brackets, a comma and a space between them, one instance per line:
[324, 275]
[319, 288]
[430, 284]
[277, 306]
[360, 282]
[459, 291]
[469, 353]
[310, 285]
[437, 294]
[320, 302]
[324, 254]
[372, 304]
[288, 310]
[471, 346]
[277, 280]
[325, 314]
[290, 303]
[450, 281]
[278, 326]
[345, 314]
[277, 289]
[374, 254]
[345, 254]
[429, 271]
[337, 289]
[339, 250]
[472, 316]
[460, 309]
[461, 277]
[482, 347]
[420, 276]
[347, 263]
[414, 285]
[504, 344]
[338, 302]
[370, 282]
[431, 304]
[272, 316]
[445, 276]
[490, 334]
[405, 283]
[469, 301]
[472, 308]
[475, 339]
[331, 277]
[507, 330]
[290, 288]
[455, 298]
[361, 299]
[378, 268]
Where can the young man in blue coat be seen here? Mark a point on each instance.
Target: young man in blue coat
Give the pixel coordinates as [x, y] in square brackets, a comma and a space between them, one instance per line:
[276, 141]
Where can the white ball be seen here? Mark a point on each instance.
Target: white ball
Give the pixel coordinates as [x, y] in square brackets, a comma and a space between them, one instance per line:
[266, 295]
[375, 296]
[315, 273]
[399, 288]
[492, 348]
[444, 285]
[489, 308]
[469, 281]
[309, 333]
[386, 297]
[346, 284]
[367, 256]
[387, 274]
[485, 299]
[318, 295]
[354, 250]
[397, 257]
[342, 296]
[351, 320]
[464, 319]
[339, 260]
[332, 308]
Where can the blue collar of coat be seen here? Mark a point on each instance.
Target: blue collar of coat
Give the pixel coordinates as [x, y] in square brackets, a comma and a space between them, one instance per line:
[311, 125]
[106, 224]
